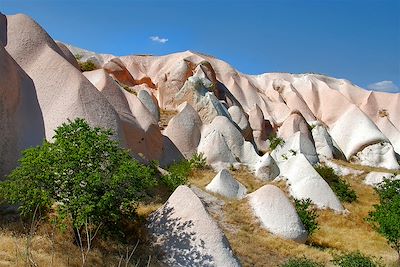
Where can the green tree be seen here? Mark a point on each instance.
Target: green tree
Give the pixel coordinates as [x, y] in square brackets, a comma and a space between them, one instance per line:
[83, 175]
[386, 216]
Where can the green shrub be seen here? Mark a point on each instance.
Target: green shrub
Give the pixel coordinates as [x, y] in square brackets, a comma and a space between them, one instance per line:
[198, 161]
[275, 141]
[177, 174]
[301, 262]
[386, 216]
[354, 259]
[341, 188]
[84, 176]
[87, 65]
[307, 215]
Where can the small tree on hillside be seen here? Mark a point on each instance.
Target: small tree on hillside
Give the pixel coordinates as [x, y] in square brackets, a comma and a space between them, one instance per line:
[386, 216]
[83, 175]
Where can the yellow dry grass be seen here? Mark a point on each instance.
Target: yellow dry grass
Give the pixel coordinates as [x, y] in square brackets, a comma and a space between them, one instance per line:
[338, 232]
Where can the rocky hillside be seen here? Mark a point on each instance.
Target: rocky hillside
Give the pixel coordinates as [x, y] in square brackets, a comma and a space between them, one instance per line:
[278, 126]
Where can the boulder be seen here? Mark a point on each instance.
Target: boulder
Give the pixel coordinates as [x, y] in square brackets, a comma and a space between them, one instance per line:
[187, 235]
[184, 130]
[377, 155]
[226, 185]
[239, 117]
[374, 178]
[323, 141]
[150, 103]
[223, 145]
[266, 168]
[277, 214]
[298, 143]
[305, 182]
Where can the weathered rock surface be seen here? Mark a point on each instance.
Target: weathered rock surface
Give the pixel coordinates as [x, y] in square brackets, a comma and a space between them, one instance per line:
[226, 185]
[187, 235]
[374, 178]
[305, 182]
[277, 214]
[184, 130]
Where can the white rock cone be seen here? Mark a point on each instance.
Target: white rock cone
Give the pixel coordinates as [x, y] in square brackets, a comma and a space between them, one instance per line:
[226, 185]
[305, 182]
[187, 235]
[277, 214]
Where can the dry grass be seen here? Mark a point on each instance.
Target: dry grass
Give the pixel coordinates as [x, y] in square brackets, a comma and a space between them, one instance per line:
[49, 247]
[254, 245]
[351, 232]
[338, 233]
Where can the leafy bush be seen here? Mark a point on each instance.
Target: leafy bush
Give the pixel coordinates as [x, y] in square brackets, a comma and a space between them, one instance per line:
[354, 259]
[198, 161]
[307, 214]
[275, 141]
[84, 176]
[87, 65]
[341, 188]
[177, 174]
[386, 216]
[301, 262]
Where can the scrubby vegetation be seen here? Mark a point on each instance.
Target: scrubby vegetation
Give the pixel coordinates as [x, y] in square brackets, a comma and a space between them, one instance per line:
[198, 161]
[341, 188]
[83, 176]
[354, 259]
[82, 179]
[386, 216]
[85, 65]
[177, 174]
[301, 262]
[307, 214]
[275, 141]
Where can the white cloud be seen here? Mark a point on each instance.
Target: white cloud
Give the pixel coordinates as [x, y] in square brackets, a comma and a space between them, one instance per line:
[158, 39]
[384, 86]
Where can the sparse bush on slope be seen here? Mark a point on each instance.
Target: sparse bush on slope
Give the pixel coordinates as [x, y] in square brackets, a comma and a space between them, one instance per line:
[301, 262]
[84, 176]
[178, 172]
[307, 215]
[354, 259]
[341, 188]
[386, 216]
[85, 65]
[275, 141]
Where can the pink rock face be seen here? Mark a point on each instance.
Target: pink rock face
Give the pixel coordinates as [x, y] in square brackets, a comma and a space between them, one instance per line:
[139, 126]
[294, 123]
[353, 120]
[62, 91]
[21, 120]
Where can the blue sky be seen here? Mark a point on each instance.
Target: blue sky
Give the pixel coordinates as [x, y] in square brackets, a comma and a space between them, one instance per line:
[356, 40]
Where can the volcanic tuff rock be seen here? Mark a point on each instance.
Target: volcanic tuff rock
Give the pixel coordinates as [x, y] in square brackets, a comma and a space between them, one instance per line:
[277, 214]
[225, 184]
[227, 115]
[187, 234]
